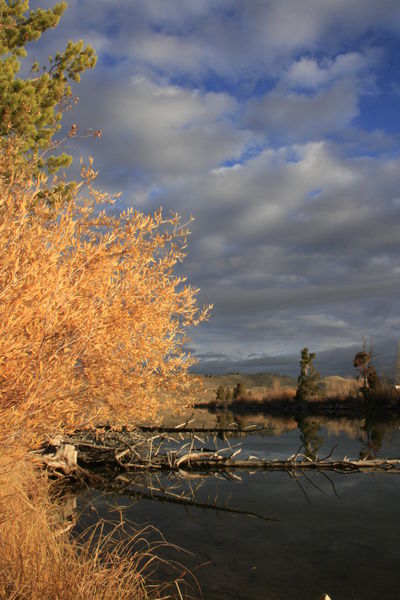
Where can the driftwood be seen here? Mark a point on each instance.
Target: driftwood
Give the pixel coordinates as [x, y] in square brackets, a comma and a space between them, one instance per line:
[66, 455]
[344, 466]
[133, 451]
[208, 430]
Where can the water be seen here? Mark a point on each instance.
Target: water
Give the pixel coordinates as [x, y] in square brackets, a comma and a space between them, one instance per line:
[331, 532]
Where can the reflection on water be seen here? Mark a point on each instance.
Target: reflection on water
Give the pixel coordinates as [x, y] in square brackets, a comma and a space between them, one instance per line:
[309, 437]
[273, 535]
[372, 437]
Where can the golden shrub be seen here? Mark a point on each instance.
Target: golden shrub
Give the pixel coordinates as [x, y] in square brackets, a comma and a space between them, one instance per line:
[92, 317]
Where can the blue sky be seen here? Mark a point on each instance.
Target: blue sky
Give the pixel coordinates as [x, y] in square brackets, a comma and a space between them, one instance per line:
[277, 125]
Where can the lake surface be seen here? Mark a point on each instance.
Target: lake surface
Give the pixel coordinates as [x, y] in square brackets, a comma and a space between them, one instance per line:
[329, 532]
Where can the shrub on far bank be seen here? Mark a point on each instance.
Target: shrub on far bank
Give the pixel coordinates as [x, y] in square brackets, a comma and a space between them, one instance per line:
[239, 392]
[383, 396]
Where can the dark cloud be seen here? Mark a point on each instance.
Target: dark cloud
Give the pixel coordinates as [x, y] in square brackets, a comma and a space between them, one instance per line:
[337, 361]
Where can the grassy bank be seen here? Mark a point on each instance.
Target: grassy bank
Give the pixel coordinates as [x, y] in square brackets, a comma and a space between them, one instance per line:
[39, 560]
[271, 385]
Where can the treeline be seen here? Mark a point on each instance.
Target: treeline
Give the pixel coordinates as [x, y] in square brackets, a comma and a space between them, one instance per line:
[374, 391]
[373, 388]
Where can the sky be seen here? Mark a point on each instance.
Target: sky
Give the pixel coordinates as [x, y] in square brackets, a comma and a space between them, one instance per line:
[276, 123]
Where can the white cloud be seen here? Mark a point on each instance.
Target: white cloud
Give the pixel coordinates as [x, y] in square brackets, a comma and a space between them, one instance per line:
[164, 129]
[298, 116]
[308, 73]
[233, 38]
[344, 253]
[170, 53]
[172, 107]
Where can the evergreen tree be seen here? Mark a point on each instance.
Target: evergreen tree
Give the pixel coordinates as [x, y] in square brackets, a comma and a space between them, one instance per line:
[373, 379]
[309, 380]
[239, 391]
[31, 108]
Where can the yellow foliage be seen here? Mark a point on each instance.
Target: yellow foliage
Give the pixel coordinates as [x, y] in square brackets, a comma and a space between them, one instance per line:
[39, 561]
[92, 317]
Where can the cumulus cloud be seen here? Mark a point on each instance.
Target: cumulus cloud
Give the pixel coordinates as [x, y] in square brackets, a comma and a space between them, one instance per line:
[321, 271]
[233, 38]
[163, 129]
[301, 117]
[253, 117]
[308, 73]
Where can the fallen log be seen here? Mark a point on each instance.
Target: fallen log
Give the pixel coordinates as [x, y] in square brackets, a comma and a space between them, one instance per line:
[130, 451]
[196, 461]
[216, 430]
[64, 461]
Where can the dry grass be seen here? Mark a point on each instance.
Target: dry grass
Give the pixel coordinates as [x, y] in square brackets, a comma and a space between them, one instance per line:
[336, 386]
[283, 394]
[271, 386]
[38, 560]
[384, 395]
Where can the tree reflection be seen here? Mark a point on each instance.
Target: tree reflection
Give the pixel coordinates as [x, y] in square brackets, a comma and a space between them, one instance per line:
[310, 428]
[227, 420]
[372, 441]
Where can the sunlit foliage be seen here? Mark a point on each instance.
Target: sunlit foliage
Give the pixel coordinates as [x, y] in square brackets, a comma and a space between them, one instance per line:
[92, 317]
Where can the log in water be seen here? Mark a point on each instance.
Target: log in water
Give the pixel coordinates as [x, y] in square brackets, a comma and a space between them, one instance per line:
[135, 451]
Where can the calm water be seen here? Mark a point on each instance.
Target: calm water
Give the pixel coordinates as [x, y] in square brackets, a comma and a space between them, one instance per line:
[333, 533]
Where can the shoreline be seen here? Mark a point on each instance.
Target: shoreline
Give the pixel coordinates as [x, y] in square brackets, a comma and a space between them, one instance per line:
[334, 407]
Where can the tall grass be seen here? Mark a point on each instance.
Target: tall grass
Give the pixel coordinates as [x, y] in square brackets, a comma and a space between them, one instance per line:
[39, 561]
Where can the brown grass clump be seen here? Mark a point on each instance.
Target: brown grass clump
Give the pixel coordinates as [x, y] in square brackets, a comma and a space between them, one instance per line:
[38, 561]
[92, 317]
[286, 393]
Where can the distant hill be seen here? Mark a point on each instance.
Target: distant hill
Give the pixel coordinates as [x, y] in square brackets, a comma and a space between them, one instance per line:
[264, 383]
[258, 383]
[270, 380]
